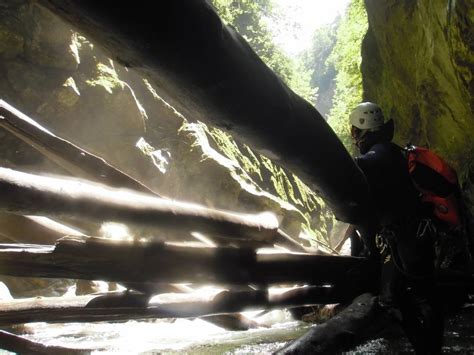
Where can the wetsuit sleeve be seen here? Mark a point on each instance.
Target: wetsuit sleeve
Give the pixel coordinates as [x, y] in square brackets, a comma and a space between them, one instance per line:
[372, 167]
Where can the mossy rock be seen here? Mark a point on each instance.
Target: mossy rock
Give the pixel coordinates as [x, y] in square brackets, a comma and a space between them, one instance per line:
[417, 64]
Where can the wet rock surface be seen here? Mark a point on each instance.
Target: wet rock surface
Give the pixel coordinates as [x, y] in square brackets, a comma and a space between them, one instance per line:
[417, 64]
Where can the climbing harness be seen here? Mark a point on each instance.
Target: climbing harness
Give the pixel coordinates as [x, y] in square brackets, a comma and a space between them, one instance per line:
[426, 229]
[388, 239]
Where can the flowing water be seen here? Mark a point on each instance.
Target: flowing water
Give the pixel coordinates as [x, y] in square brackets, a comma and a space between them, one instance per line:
[161, 336]
[200, 337]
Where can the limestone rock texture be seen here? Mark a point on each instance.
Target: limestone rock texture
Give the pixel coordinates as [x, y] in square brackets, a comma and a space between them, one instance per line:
[59, 78]
[418, 62]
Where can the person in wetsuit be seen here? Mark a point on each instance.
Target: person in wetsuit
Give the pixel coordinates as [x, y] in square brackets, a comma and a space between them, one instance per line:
[397, 231]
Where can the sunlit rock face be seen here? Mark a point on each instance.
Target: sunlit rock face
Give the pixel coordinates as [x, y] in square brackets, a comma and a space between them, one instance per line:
[66, 83]
[418, 61]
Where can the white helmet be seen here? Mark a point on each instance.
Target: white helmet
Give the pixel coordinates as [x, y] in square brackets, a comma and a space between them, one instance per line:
[367, 116]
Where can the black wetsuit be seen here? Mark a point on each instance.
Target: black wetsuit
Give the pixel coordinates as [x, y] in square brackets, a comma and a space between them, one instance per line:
[393, 230]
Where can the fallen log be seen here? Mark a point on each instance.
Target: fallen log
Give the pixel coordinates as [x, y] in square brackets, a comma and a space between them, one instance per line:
[77, 161]
[129, 261]
[208, 72]
[33, 229]
[126, 306]
[82, 164]
[360, 321]
[37, 195]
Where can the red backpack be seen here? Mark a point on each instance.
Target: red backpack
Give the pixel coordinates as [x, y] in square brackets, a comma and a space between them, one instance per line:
[437, 182]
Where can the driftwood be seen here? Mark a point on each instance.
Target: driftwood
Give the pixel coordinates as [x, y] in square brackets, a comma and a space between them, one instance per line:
[32, 194]
[360, 321]
[20, 345]
[71, 158]
[37, 195]
[104, 259]
[82, 164]
[121, 306]
[32, 229]
[77, 161]
[126, 261]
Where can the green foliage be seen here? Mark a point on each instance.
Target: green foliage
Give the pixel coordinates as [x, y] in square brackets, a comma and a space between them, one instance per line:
[300, 81]
[322, 71]
[346, 57]
[248, 18]
[323, 42]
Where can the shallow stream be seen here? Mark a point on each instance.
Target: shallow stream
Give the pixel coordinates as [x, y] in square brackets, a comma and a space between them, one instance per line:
[200, 337]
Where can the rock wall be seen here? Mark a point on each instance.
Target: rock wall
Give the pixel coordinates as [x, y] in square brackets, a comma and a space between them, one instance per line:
[417, 64]
[67, 84]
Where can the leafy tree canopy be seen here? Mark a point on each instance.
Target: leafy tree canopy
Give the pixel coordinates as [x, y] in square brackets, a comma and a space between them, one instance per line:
[346, 58]
[248, 18]
[322, 71]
